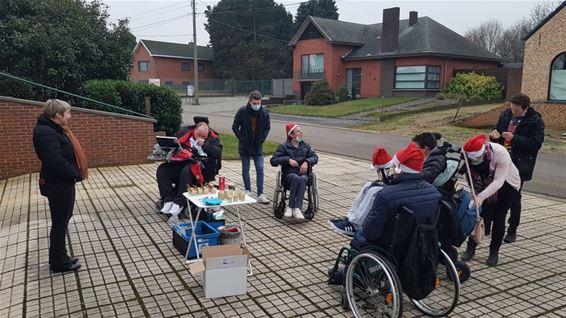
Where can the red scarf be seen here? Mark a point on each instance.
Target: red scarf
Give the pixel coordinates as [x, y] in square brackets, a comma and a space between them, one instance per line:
[79, 152]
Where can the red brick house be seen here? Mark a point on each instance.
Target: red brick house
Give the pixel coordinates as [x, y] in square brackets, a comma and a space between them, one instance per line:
[415, 56]
[171, 63]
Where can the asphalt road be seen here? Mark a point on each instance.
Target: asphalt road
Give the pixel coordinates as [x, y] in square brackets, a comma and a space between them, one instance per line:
[549, 176]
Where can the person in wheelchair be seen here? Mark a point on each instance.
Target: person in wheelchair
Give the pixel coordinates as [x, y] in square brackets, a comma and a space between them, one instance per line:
[294, 156]
[197, 162]
[382, 162]
[407, 189]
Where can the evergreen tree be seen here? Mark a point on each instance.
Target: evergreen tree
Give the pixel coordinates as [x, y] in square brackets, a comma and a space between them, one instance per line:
[316, 8]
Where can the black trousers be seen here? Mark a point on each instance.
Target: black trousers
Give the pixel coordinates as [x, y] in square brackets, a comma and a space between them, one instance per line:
[61, 199]
[515, 217]
[175, 172]
[495, 214]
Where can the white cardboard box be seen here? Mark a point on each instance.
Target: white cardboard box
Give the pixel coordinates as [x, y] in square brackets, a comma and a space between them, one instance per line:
[223, 270]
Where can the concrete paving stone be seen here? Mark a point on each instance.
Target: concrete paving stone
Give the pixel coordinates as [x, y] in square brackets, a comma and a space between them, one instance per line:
[266, 284]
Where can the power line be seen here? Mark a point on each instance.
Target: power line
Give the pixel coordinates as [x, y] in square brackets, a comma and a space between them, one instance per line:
[158, 14]
[158, 23]
[150, 12]
[260, 9]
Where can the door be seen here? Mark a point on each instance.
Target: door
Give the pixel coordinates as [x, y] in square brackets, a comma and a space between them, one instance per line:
[354, 79]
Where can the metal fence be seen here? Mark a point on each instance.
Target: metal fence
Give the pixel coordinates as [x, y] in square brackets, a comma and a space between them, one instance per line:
[220, 87]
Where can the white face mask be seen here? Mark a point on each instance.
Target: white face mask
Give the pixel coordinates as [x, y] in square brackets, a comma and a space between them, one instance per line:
[256, 107]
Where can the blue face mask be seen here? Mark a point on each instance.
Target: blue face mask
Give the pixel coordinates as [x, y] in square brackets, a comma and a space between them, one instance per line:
[256, 107]
[298, 139]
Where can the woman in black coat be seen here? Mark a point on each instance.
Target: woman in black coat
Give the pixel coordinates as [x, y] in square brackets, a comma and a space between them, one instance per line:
[62, 164]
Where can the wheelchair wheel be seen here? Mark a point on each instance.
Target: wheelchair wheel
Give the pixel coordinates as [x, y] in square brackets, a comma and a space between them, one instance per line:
[373, 288]
[463, 271]
[444, 298]
[314, 193]
[278, 207]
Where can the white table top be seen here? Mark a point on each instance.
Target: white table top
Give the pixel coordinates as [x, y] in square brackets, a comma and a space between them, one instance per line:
[197, 200]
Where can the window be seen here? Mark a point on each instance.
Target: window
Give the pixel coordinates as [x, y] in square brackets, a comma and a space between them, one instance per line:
[353, 77]
[312, 66]
[417, 77]
[185, 66]
[557, 89]
[143, 66]
[200, 67]
[168, 83]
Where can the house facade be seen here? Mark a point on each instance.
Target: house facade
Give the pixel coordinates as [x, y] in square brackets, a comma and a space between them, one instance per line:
[410, 57]
[171, 63]
[544, 67]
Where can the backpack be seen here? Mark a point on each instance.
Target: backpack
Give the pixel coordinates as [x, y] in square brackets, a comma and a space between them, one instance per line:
[446, 175]
[417, 267]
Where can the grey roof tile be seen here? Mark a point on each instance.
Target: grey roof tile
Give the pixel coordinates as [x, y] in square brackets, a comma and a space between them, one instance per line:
[177, 49]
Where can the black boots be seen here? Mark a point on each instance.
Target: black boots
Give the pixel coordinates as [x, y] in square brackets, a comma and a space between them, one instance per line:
[510, 237]
[470, 251]
[492, 259]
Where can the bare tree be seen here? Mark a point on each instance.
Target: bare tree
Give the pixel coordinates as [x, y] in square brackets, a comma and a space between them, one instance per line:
[487, 35]
[508, 43]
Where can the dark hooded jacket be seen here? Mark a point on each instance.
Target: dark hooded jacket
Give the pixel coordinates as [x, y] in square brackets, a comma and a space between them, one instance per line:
[212, 147]
[300, 154]
[56, 153]
[250, 144]
[527, 140]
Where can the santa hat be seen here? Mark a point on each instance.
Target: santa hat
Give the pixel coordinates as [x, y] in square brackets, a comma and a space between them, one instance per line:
[409, 159]
[380, 158]
[475, 146]
[289, 128]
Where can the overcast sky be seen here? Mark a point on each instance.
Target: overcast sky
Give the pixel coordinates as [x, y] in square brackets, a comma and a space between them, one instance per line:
[171, 21]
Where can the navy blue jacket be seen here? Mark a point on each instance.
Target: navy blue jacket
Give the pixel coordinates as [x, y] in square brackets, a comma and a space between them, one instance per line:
[527, 140]
[409, 190]
[300, 154]
[56, 153]
[250, 145]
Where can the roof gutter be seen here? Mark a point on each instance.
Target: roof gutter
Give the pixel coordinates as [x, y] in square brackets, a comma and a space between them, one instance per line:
[381, 57]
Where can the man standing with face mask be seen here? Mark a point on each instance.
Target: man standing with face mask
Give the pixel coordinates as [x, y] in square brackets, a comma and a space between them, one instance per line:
[251, 126]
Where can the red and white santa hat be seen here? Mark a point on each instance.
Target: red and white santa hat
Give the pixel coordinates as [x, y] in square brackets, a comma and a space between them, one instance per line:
[475, 146]
[381, 159]
[289, 128]
[409, 159]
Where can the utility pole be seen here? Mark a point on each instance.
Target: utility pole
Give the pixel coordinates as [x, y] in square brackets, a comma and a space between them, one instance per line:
[195, 56]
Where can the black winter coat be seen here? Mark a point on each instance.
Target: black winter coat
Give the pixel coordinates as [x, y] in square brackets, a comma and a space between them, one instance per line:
[434, 165]
[213, 149]
[409, 190]
[248, 144]
[527, 140]
[56, 153]
[300, 154]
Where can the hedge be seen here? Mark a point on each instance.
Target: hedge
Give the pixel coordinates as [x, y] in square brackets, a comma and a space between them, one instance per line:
[165, 104]
[474, 86]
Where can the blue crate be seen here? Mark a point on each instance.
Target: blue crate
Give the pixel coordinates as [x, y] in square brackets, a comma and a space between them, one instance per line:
[206, 236]
[216, 224]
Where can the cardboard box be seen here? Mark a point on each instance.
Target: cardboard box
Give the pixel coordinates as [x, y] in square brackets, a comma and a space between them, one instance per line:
[223, 270]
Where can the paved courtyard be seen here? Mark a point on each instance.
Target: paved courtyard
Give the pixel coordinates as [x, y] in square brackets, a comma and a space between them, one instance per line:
[130, 268]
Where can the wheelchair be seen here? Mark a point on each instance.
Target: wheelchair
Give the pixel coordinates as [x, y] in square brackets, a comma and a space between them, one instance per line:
[372, 288]
[281, 196]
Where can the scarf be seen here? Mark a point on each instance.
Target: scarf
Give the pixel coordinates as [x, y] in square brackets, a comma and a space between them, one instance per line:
[79, 152]
[482, 175]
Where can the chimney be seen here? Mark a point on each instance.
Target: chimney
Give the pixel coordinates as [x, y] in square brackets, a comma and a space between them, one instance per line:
[390, 30]
[413, 18]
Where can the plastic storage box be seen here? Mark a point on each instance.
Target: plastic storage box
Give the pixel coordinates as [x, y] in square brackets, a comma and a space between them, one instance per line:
[205, 234]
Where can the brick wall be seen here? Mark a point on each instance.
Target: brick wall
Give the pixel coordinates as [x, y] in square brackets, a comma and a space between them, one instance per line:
[540, 50]
[108, 139]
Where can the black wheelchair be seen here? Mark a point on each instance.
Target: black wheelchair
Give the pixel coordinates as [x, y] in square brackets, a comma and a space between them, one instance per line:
[372, 287]
[280, 197]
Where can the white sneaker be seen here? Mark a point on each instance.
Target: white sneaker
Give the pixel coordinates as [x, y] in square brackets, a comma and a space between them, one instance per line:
[262, 199]
[297, 214]
[166, 207]
[288, 212]
[249, 193]
[175, 209]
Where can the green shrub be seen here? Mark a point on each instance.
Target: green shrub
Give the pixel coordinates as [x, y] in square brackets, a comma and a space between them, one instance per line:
[165, 104]
[14, 88]
[473, 86]
[320, 94]
[342, 94]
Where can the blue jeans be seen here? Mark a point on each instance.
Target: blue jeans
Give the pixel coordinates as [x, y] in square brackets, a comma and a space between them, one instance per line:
[258, 163]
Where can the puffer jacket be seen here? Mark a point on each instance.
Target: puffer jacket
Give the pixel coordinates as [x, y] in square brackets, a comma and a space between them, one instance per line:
[248, 143]
[300, 154]
[527, 140]
[56, 153]
[434, 165]
[409, 190]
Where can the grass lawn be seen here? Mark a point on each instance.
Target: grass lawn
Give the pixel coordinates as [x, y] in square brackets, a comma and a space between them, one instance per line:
[339, 109]
[410, 124]
[230, 151]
